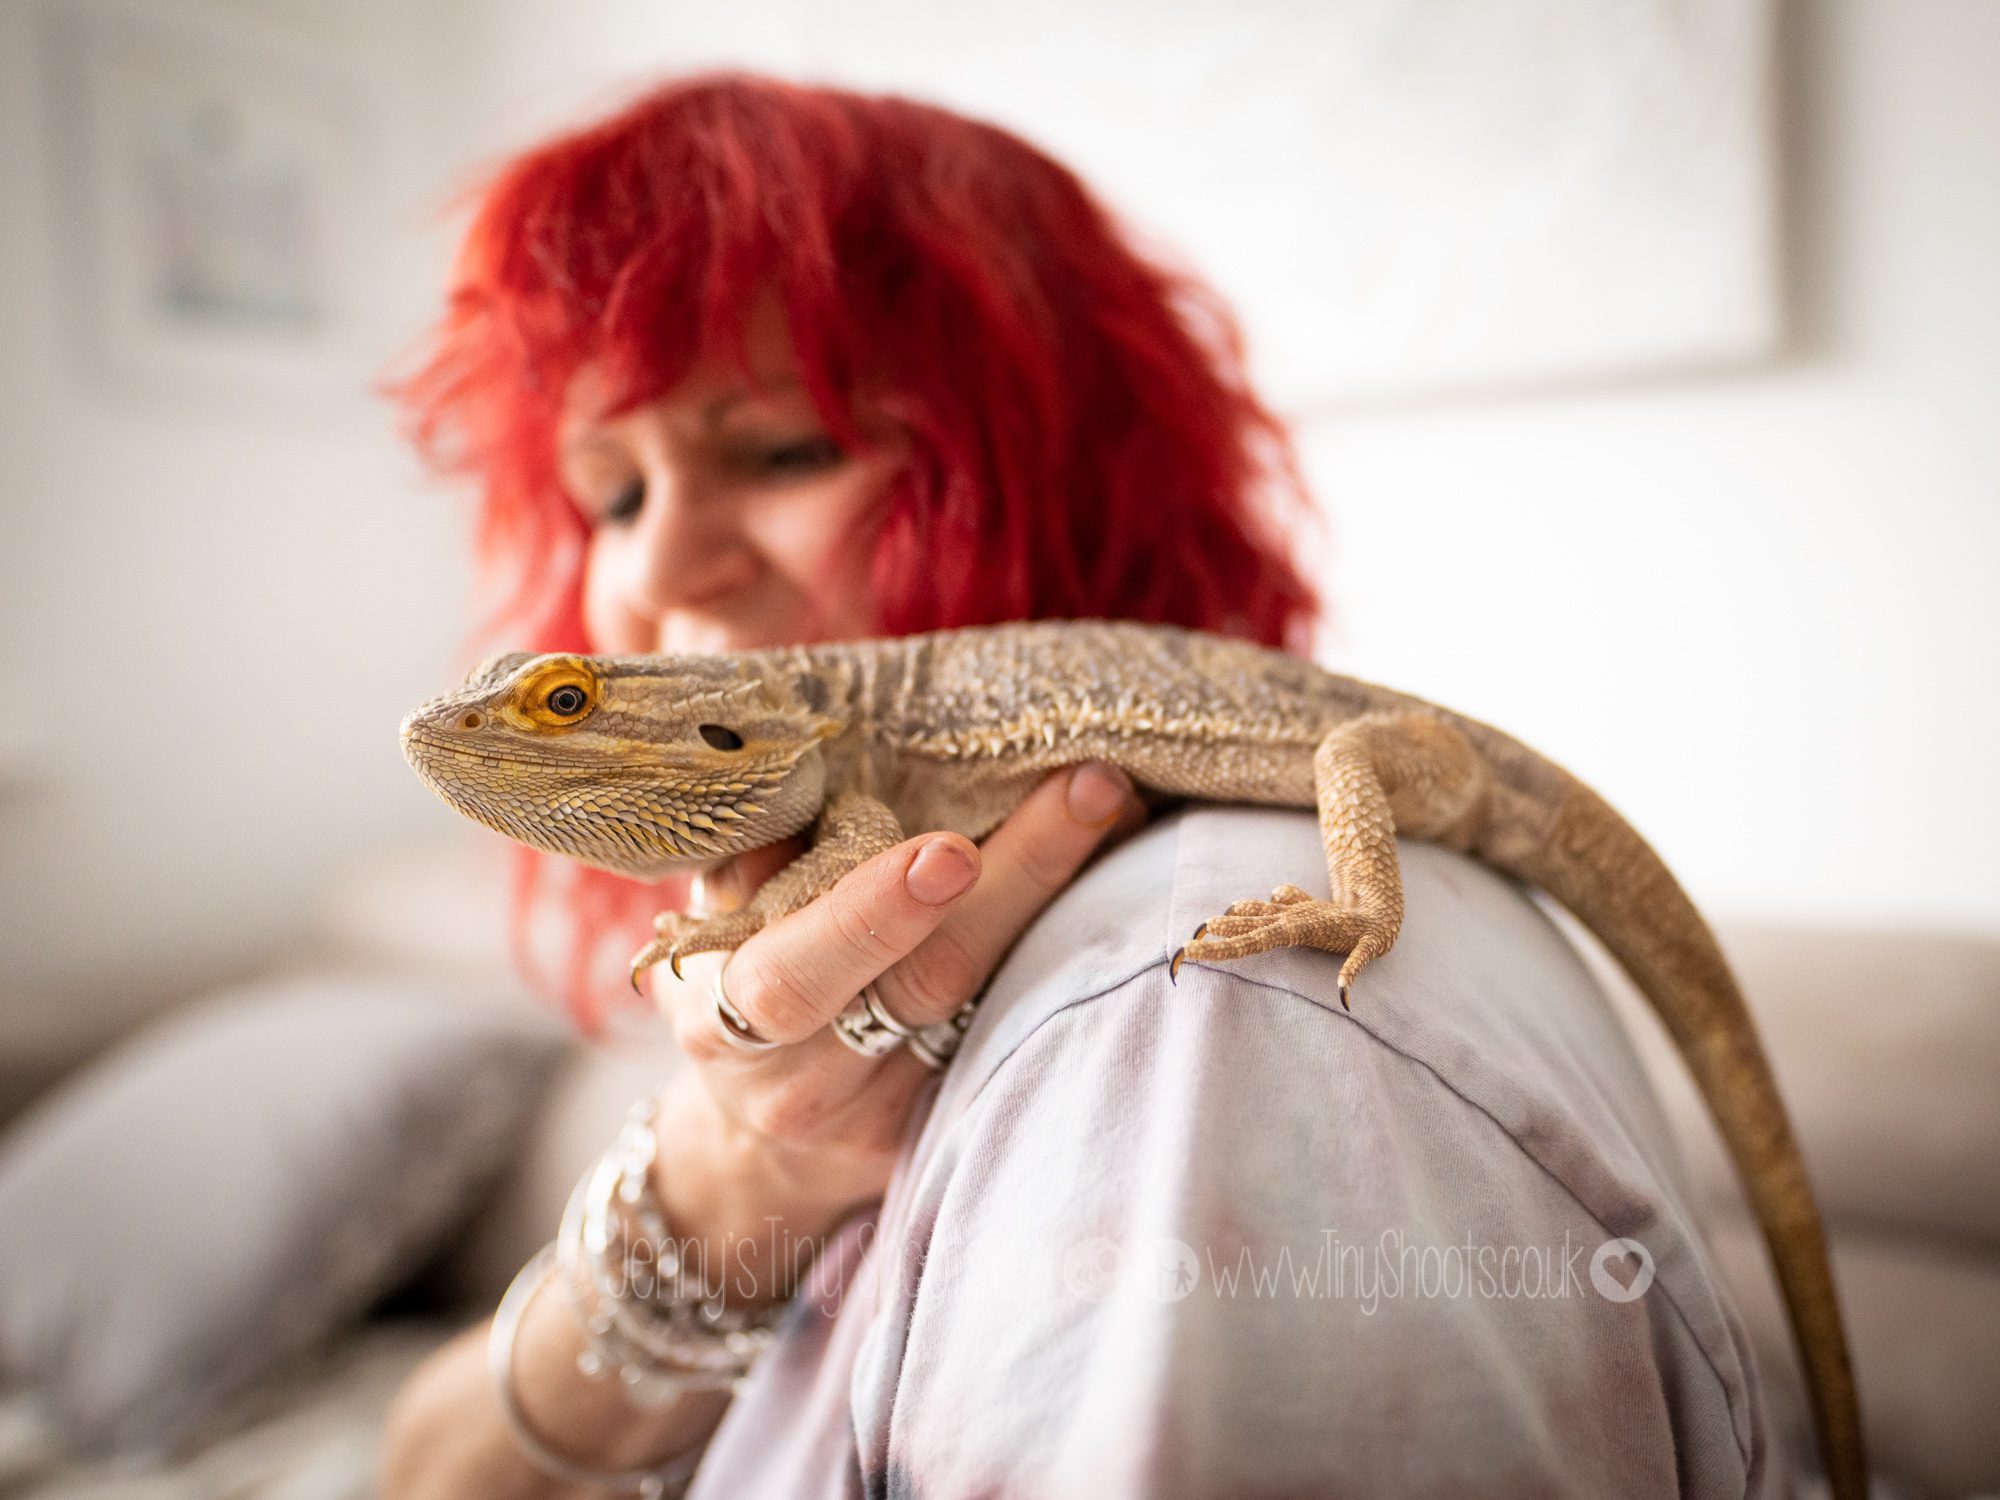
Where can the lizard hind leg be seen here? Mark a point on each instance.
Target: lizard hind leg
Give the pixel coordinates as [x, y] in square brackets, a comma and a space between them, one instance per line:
[1401, 770]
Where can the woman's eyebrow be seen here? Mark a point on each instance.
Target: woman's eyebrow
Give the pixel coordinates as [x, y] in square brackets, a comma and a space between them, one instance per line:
[721, 406]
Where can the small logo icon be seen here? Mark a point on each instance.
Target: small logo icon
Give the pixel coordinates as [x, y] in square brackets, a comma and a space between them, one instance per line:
[1090, 1267]
[1621, 1270]
[1175, 1269]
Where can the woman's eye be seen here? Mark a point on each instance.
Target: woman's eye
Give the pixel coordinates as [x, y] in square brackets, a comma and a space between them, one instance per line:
[807, 456]
[626, 503]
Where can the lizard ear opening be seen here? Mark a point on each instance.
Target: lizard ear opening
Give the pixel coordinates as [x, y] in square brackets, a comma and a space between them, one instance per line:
[720, 737]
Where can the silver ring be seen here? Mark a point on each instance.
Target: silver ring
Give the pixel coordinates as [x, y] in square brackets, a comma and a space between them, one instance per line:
[738, 1031]
[934, 1046]
[861, 1029]
[872, 998]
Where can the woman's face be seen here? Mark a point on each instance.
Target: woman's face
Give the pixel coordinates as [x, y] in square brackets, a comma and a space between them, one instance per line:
[722, 518]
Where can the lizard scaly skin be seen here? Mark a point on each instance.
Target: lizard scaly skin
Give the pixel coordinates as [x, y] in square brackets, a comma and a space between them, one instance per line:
[648, 764]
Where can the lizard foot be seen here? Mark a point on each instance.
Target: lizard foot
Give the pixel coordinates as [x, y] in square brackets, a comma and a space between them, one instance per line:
[1290, 919]
[682, 936]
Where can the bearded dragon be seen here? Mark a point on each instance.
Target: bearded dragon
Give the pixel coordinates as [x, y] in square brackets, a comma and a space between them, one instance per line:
[646, 765]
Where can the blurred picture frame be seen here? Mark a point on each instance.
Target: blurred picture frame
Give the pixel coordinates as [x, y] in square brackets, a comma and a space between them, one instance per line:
[207, 182]
[1402, 200]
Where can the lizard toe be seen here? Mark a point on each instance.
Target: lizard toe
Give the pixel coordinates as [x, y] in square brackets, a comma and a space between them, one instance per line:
[1291, 919]
[715, 934]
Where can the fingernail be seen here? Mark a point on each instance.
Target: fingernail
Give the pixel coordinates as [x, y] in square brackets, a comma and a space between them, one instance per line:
[714, 893]
[723, 889]
[1097, 794]
[939, 872]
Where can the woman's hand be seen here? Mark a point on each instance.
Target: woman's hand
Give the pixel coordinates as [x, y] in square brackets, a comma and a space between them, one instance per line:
[762, 1146]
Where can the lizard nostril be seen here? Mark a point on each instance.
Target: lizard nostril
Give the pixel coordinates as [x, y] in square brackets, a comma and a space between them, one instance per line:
[471, 719]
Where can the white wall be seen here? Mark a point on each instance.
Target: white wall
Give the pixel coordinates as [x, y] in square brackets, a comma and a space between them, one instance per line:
[1753, 608]
[1760, 612]
[215, 608]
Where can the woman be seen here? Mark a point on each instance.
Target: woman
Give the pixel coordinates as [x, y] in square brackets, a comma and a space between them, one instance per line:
[754, 363]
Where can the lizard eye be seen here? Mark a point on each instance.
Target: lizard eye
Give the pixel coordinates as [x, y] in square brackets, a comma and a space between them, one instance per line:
[720, 738]
[556, 693]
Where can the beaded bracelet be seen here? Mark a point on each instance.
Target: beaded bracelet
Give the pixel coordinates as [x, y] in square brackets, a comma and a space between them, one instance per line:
[657, 1339]
[658, 1342]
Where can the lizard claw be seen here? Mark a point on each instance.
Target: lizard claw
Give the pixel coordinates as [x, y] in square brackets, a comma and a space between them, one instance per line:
[1180, 954]
[655, 952]
[669, 933]
[643, 960]
[1343, 996]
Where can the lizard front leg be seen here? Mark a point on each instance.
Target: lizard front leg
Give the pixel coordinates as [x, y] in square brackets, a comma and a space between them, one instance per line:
[1402, 770]
[850, 829]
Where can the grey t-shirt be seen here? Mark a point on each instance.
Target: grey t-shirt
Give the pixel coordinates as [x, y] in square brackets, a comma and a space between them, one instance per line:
[1221, 1239]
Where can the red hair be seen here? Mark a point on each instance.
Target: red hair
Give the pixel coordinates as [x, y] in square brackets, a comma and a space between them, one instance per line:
[1082, 439]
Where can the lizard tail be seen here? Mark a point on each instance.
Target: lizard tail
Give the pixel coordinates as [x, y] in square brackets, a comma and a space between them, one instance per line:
[1597, 865]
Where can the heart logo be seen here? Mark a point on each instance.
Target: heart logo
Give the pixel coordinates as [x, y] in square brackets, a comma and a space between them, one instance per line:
[1621, 1270]
[1090, 1268]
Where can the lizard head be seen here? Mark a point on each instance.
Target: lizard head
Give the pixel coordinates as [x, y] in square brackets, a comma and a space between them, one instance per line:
[641, 765]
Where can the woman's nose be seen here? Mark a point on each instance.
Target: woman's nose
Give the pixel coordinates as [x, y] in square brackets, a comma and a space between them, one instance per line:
[685, 549]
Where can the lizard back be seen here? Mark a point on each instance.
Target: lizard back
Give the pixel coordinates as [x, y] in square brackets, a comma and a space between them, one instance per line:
[953, 728]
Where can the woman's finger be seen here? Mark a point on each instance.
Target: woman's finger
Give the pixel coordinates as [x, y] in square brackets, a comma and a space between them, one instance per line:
[791, 979]
[1026, 861]
[894, 913]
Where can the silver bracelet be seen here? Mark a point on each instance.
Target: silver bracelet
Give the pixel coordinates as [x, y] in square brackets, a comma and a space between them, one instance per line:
[664, 1481]
[627, 1284]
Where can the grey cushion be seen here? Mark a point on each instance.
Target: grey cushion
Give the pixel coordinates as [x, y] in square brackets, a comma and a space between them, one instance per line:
[196, 1209]
[1886, 1043]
